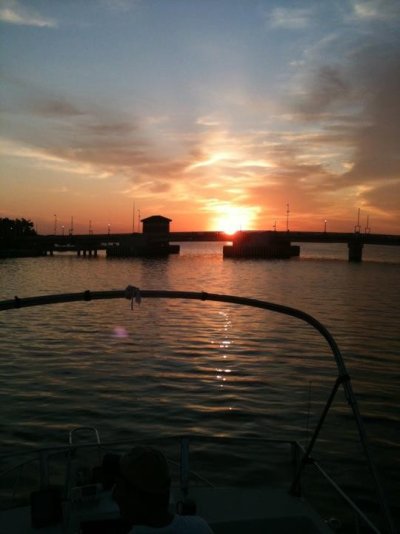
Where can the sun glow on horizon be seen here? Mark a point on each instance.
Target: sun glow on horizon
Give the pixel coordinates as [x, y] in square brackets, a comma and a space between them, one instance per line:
[230, 229]
[231, 219]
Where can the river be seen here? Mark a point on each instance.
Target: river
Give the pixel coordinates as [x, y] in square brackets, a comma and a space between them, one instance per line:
[171, 367]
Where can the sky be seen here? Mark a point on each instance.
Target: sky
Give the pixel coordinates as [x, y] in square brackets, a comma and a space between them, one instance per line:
[219, 114]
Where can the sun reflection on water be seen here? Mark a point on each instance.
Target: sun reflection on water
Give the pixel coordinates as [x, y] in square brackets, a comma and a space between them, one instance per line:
[224, 346]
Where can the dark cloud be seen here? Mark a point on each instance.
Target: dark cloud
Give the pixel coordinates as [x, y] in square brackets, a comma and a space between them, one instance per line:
[24, 97]
[377, 144]
[328, 89]
[111, 129]
[357, 106]
[97, 138]
[53, 107]
[385, 198]
[160, 187]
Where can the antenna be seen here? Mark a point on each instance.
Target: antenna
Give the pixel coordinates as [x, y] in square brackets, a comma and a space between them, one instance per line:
[287, 217]
[367, 228]
[357, 228]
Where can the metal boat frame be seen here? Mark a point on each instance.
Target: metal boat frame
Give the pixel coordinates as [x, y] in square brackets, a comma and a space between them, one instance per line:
[302, 456]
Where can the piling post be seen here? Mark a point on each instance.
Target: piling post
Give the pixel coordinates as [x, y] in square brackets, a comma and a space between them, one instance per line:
[355, 250]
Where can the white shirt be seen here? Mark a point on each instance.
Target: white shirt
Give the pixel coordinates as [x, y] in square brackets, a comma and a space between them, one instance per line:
[181, 524]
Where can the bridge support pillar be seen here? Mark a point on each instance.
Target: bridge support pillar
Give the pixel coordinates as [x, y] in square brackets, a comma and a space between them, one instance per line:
[355, 250]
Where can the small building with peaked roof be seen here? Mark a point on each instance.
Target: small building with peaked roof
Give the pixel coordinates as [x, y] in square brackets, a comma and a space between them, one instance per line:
[153, 241]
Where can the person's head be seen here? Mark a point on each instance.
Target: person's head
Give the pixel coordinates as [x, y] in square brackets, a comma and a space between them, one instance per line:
[142, 486]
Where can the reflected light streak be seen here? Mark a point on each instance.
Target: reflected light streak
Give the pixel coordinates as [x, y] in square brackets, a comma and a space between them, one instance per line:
[222, 373]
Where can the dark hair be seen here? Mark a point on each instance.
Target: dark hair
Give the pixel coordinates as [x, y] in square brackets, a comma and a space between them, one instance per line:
[112, 472]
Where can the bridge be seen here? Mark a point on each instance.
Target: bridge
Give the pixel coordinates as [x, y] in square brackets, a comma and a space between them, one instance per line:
[89, 244]
[295, 237]
[355, 240]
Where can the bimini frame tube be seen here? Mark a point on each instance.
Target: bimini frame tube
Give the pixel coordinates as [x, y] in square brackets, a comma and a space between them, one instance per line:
[133, 293]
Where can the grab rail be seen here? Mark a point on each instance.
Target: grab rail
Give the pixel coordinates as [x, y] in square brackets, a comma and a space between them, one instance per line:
[135, 294]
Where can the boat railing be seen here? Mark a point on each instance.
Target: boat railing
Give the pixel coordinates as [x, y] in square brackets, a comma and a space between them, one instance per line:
[359, 514]
[43, 457]
[343, 379]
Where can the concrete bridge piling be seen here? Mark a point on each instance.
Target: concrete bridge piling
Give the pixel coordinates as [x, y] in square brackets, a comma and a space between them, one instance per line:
[355, 250]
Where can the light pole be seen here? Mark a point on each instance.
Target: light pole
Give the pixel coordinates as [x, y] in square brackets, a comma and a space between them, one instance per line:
[62, 230]
[287, 217]
[55, 224]
[325, 226]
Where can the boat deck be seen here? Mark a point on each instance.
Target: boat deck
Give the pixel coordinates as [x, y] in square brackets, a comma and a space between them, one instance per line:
[227, 510]
[251, 510]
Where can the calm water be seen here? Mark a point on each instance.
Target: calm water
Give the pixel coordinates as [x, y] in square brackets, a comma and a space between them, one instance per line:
[168, 367]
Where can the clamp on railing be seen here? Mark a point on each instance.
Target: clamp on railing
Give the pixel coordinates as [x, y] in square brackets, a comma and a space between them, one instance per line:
[132, 293]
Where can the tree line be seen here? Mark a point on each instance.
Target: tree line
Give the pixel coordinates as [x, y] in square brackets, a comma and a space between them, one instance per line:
[11, 229]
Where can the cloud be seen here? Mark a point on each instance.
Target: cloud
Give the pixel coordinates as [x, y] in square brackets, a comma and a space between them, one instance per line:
[110, 129]
[13, 13]
[289, 18]
[73, 137]
[360, 103]
[342, 148]
[376, 139]
[208, 120]
[384, 198]
[120, 6]
[54, 107]
[370, 10]
[328, 89]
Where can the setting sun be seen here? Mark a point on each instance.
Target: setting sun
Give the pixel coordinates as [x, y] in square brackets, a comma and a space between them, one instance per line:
[231, 219]
[229, 227]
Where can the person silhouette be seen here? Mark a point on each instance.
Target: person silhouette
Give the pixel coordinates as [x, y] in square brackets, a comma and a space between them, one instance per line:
[142, 492]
